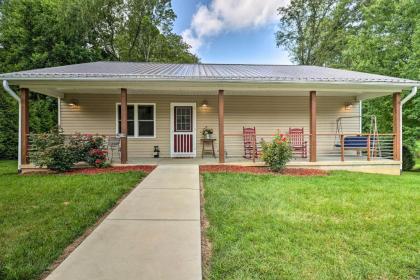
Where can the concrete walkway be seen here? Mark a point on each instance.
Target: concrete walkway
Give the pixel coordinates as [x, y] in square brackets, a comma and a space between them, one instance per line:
[153, 234]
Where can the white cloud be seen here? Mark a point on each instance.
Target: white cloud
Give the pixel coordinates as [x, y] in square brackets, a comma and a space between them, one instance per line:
[194, 42]
[229, 15]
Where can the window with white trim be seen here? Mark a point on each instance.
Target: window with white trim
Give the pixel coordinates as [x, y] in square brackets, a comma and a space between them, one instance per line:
[141, 120]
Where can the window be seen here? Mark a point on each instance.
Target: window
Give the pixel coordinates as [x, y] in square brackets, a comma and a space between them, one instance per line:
[141, 120]
[183, 121]
[130, 119]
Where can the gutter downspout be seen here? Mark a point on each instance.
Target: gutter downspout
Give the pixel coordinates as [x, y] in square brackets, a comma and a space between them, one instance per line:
[405, 100]
[17, 98]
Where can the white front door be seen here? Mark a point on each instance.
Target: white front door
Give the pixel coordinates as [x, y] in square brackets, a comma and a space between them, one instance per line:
[183, 129]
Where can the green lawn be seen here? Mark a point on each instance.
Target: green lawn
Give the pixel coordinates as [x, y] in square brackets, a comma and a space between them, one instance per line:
[343, 226]
[40, 215]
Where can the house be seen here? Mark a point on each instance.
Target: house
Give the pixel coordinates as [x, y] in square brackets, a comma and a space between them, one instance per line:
[167, 105]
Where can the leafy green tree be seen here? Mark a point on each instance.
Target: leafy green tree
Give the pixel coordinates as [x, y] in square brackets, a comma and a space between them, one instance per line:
[8, 127]
[388, 42]
[312, 30]
[33, 35]
[376, 36]
[46, 33]
[136, 30]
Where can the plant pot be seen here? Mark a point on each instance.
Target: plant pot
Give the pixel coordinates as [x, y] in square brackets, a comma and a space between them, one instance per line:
[208, 136]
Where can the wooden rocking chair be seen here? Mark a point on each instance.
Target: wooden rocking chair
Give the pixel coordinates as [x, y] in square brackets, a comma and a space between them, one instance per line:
[297, 141]
[250, 143]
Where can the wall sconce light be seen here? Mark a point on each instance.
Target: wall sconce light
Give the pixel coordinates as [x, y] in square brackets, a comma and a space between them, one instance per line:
[74, 103]
[348, 106]
[204, 104]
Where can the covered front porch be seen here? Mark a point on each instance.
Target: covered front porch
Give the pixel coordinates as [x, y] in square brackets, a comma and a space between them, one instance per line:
[159, 118]
[171, 123]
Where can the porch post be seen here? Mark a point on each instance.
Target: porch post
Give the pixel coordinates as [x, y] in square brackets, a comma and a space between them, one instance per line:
[312, 126]
[396, 98]
[221, 126]
[24, 106]
[124, 125]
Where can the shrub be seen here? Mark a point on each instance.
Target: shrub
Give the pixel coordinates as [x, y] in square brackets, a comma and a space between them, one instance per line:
[97, 158]
[276, 153]
[50, 150]
[408, 161]
[8, 127]
[53, 151]
[91, 149]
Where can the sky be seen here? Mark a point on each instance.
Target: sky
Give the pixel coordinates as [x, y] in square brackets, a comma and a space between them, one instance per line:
[231, 31]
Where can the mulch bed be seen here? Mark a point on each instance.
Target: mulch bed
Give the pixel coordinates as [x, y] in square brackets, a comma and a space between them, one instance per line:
[115, 169]
[261, 170]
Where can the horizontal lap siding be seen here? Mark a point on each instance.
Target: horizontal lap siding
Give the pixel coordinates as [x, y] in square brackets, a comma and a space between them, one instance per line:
[271, 114]
[330, 108]
[96, 114]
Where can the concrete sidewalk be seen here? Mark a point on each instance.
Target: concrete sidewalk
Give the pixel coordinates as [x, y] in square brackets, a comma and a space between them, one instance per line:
[153, 234]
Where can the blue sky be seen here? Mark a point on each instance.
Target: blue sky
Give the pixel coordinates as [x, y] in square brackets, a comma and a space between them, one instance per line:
[223, 31]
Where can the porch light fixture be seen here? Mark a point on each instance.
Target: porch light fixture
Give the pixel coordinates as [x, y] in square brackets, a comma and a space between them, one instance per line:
[74, 103]
[348, 106]
[204, 104]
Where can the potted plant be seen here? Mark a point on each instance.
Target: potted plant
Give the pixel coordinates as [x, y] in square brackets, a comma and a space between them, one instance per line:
[207, 132]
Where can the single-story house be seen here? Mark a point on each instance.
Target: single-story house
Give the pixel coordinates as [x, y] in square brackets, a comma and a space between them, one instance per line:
[168, 105]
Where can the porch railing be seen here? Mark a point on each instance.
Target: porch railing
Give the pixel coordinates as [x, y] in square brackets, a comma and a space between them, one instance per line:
[329, 147]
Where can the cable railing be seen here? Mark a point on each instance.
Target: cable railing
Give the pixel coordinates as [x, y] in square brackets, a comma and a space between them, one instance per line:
[329, 146]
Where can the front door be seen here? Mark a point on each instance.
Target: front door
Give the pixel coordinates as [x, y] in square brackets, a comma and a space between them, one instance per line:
[183, 119]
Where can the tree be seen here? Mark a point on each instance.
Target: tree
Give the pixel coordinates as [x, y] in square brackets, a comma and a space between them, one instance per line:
[46, 33]
[312, 30]
[376, 36]
[387, 42]
[136, 30]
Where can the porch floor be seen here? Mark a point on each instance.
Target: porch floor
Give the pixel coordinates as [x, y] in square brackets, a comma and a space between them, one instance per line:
[258, 162]
[359, 164]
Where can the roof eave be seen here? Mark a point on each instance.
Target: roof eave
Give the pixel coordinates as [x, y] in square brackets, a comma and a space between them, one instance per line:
[21, 80]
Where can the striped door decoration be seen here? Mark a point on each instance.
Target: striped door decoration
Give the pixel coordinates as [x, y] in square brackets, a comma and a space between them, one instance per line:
[183, 143]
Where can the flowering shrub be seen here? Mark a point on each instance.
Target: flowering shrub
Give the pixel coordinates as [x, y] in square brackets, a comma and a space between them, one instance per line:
[277, 152]
[56, 152]
[91, 149]
[97, 157]
[50, 150]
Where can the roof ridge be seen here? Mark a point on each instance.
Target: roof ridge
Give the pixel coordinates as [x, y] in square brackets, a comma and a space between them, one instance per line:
[209, 63]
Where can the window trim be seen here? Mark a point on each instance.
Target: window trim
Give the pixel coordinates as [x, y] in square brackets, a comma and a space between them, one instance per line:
[136, 120]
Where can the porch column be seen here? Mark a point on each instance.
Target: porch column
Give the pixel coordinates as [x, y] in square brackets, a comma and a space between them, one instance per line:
[221, 126]
[312, 126]
[24, 106]
[396, 98]
[124, 125]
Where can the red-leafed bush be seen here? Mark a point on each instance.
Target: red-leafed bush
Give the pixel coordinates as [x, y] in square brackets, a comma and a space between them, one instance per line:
[92, 149]
[97, 157]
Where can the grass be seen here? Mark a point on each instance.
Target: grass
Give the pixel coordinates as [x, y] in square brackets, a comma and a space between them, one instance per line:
[342, 226]
[40, 215]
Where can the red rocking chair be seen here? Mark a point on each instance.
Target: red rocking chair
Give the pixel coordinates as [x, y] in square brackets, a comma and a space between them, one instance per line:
[297, 141]
[250, 143]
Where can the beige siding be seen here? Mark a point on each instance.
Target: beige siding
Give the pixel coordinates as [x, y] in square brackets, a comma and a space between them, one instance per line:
[97, 114]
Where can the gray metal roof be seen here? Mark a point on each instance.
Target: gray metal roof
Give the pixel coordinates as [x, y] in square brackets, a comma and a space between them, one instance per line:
[201, 72]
